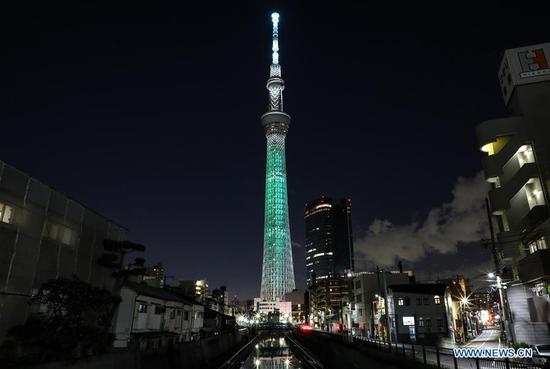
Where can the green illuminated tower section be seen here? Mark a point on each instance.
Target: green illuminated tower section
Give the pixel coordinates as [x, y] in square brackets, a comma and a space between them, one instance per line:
[278, 269]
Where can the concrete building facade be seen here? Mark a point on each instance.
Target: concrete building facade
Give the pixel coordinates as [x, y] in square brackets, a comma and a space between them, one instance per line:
[517, 165]
[368, 295]
[151, 314]
[421, 313]
[46, 235]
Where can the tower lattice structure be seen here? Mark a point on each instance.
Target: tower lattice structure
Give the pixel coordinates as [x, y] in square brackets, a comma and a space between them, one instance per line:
[278, 269]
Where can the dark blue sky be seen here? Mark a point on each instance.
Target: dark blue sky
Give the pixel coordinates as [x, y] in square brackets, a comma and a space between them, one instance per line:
[150, 114]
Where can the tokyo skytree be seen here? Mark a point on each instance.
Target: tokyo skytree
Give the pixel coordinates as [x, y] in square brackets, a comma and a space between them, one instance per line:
[278, 269]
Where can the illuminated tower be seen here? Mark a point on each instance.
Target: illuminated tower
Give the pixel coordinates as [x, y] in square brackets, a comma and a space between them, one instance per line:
[277, 270]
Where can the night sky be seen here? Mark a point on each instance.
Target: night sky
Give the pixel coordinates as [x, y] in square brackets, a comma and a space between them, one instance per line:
[150, 114]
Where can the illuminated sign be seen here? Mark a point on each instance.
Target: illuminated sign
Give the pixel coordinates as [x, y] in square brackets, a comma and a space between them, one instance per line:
[408, 320]
[524, 65]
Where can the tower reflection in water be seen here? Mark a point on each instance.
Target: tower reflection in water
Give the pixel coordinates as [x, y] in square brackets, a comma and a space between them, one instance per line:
[271, 353]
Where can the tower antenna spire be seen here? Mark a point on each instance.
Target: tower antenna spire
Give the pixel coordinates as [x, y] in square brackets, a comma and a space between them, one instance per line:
[275, 46]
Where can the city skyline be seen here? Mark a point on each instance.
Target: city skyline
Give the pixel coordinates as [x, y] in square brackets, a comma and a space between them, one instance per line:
[139, 130]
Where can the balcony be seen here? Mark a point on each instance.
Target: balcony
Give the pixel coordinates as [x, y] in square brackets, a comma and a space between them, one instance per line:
[508, 243]
[489, 130]
[535, 266]
[500, 197]
[535, 217]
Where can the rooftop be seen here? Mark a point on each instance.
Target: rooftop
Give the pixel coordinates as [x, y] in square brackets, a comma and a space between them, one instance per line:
[427, 288]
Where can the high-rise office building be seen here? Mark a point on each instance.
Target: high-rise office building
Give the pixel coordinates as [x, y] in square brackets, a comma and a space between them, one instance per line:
[517, 165]
[329, 241]
[277, 270]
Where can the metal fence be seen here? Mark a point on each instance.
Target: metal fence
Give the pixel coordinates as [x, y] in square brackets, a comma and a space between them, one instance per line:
[444, 358]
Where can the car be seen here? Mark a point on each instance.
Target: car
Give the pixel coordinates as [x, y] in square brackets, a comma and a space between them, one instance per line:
[541, 353]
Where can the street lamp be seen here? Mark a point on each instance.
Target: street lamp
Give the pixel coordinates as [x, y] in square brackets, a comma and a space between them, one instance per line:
[504, 311]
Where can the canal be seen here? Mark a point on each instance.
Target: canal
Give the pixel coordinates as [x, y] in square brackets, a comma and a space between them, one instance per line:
[272, 352]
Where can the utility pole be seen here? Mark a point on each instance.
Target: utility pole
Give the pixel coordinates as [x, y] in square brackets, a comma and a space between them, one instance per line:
[507, 329]
[387, 306]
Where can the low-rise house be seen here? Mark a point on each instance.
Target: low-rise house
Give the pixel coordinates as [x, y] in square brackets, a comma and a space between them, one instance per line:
[151, 317]
[421, 313]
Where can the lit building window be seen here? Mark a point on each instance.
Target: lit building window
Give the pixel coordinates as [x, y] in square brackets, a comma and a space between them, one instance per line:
[420, 322]
[142, 308]
[6, 213]
[400, 301]
[495, 181]
[525, 155]
[437, 300]
[494, 147]
[60, 233]
[539, 244]
[533, 190]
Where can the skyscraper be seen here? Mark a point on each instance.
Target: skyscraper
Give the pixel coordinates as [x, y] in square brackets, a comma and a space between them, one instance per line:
[277, 270]
[329, 242]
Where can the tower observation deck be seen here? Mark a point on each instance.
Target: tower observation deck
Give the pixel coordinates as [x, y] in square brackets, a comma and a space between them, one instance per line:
[277, 269]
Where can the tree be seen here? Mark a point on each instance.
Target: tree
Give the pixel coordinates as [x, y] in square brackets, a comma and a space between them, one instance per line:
[76, 321]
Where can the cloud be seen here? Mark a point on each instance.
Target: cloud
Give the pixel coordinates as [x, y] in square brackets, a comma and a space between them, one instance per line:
[461, 221]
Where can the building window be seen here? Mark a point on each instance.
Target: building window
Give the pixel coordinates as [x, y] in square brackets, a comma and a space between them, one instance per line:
[539, 244]
[60, 233]
[428, 322]
[158, 309]
[419, 301]
[439, 323]
[525, 155]
[198, 315]
[400, 301]
[360, 312]
[142, 308]
[437, 300]
[357, 285]
[6, 213]
[185, 315]
[420, 322]
[493, 148]
[358, 298]
[407, 301]
[426, 301]
[172, 314]
[533, 191]
[178, 312]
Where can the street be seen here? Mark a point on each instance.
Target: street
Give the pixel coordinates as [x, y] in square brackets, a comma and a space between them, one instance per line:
[489, 338]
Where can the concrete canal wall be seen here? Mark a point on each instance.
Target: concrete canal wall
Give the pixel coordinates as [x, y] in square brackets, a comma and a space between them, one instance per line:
[204, 354]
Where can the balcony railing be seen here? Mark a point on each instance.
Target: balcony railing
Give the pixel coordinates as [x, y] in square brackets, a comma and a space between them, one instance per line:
[534, 266]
